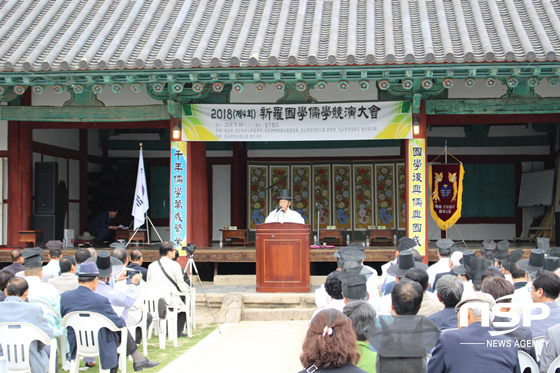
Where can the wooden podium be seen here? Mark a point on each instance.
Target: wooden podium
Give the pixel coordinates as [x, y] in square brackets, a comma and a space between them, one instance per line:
[283, 258]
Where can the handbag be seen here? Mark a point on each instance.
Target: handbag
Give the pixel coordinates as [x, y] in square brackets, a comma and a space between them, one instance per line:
[172, 281]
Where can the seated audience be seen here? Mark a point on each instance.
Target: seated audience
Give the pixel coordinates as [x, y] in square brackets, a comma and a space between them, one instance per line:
[498, 288]
[442, 265]
[362, 314]
[465, 350]
[430, 304]
[330, 344]
[545, 290]
[551, 348]
[510, 261]
[449, 292]
[33, 260]
[16, 309]
[136, 260]
[475, 270]
[454, 262]
[490, 273]
[84, 298]
[387, 279]
[5, 276]
[352, 256]
[403, 341]
[17, 262]
[333, 287]
[405, 261]
[55, 252]
[68, 279]
[167, 273]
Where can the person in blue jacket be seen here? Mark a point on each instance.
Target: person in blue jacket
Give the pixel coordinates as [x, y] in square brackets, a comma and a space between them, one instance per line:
[102, 225]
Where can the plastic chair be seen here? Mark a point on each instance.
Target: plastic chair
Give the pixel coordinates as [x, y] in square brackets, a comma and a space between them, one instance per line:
[50, 310]
[15, 338]
[555, 365]
[86, 326]
[143, 325]
[3, 364]
[150, 295]
[526, 361]
[539, 344]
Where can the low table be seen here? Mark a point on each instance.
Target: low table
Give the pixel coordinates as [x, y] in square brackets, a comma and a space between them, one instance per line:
[381, 237]
[333, 234]
[31, 236]
[237, 234]
[128, 235]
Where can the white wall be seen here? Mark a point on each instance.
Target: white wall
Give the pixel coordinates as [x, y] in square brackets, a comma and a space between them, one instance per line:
[221, 199]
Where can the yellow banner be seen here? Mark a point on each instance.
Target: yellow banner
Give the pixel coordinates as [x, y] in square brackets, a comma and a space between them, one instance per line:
[417, 187]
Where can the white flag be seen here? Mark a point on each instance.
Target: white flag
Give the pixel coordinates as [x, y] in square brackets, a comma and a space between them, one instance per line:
[141, 204]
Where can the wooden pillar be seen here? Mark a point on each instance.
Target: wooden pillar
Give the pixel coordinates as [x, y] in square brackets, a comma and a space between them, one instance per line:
[83, 180]
[197, 194]
[20, 175]
[239, 185]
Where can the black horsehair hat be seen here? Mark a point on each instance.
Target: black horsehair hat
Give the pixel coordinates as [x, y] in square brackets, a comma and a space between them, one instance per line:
[33, 257]
[534, 263]
[405, 262]
[353, 283]
[284, 194]
[108, 266]
[512, 258]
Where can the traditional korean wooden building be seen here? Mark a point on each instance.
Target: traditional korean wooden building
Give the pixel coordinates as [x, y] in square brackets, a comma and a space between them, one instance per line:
[82, 82]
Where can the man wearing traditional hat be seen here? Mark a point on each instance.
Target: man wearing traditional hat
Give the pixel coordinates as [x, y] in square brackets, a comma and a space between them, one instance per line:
[283, 213]
[353, 285]
[442, 265]
[545, 290]
[16, 309]
[39, 289]
[111, 270]
[488, 249]
[461, 272]
[405, 262]
[531, 266]
[55, 252]
[405, 243]
[84, 298]
[465, 350]
[508, 262]
[454, 262]
[403, 341]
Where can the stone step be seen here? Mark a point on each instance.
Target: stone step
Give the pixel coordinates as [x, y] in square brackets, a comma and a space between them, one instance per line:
[221, 280]
[259, 314]
[261, 300]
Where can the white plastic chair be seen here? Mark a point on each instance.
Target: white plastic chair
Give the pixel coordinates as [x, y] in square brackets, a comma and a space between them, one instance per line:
[86, 326]
[150, 295]
[3, 364]
[526, 361]
[539, 344]
[143, 325]
[48, 309]
[15, 338]
[555, 365]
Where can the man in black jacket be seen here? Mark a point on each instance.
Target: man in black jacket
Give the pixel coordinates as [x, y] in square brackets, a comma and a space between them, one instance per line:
[102, 225]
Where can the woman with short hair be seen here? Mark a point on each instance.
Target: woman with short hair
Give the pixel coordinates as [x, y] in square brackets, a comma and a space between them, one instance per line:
[330, 344]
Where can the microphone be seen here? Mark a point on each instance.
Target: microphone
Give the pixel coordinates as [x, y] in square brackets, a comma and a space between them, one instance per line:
[277, 208]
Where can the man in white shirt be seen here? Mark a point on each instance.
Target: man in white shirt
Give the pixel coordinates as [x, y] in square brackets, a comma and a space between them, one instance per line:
[33, 259]
[168, 274]
[68, 279]
[55, 252]
[283, 213]
[442, 265]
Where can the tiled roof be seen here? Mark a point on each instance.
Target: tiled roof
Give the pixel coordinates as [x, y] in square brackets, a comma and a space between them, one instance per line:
[130, 34]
